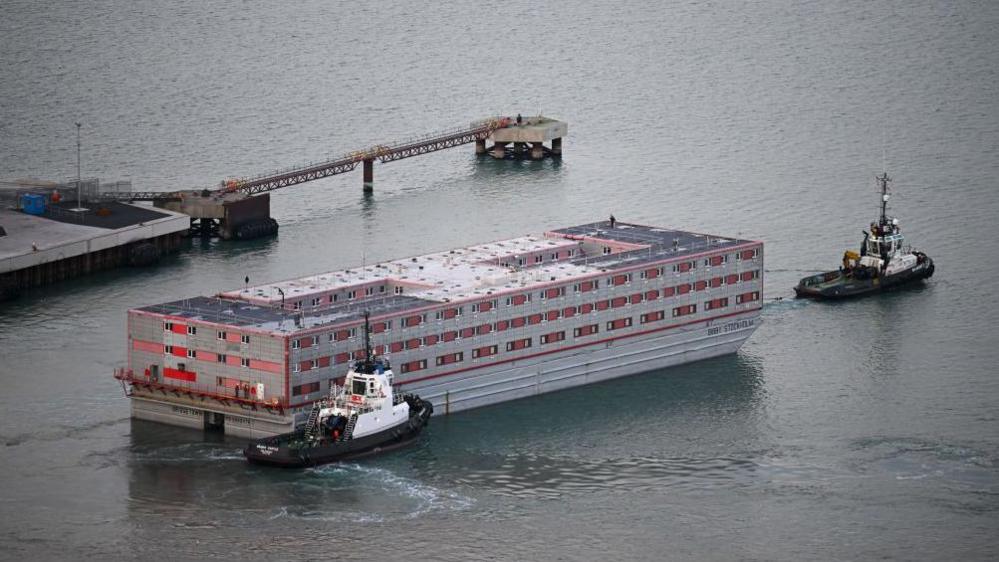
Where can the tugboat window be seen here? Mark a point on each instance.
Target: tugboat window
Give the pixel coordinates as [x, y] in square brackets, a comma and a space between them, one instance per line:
[358, 387]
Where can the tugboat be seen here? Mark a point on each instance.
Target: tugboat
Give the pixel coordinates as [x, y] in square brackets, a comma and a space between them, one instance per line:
[884, 262]
[362, 417]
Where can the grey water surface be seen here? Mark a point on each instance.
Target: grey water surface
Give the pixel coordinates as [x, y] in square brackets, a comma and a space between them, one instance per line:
[859, 430]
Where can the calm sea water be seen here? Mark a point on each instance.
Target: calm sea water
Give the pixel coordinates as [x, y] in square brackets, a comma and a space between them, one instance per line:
[859, 430]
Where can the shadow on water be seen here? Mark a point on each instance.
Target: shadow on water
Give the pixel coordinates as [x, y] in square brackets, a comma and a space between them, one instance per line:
[173, 469]
[489, 172]
[615, 434]
[86, 287]
[368, 206]
[537, 447]
[218, 248]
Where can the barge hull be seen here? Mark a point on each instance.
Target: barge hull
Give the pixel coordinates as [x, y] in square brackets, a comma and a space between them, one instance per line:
[568, 369]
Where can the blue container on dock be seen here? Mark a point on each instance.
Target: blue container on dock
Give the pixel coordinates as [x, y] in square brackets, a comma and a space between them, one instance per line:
[33, 203]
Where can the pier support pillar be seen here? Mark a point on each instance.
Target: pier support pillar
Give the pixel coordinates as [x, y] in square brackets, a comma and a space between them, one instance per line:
[537, 151]
[557, 146]
[499, 150]
[480, 146]
[369, 175]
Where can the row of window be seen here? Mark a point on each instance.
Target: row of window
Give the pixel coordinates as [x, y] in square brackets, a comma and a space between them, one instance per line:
[513, 345]
[516, 300]
[193, 331]
[532, 319]
[486, 351]
[543, 339]
[349, 295]
[192, 354]
[540, 258]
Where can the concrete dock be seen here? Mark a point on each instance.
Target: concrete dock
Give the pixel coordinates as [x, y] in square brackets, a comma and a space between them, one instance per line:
[37, 250]
[528, 136]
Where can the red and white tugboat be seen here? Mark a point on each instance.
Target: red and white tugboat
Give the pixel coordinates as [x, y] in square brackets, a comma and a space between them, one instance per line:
[884, 262]
[360, 418]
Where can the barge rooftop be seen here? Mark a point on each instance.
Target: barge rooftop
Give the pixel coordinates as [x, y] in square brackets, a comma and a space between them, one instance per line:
[452, 276]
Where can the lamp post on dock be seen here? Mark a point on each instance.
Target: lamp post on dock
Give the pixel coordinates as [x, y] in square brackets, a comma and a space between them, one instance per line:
[79, 178]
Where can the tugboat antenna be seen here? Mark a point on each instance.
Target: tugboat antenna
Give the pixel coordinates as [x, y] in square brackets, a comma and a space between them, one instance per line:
[883, 179]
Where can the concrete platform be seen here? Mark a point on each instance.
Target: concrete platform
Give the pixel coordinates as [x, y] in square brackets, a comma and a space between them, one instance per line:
[528, 136]
[33, 240]
[532, 129]
[38, 250]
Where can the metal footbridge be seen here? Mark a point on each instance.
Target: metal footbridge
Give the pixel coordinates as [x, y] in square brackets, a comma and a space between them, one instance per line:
[440, 140]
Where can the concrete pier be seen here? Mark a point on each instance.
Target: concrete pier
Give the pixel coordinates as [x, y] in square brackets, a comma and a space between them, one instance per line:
[228, 215]
[45, 249]
[369, 175]
[528, 137]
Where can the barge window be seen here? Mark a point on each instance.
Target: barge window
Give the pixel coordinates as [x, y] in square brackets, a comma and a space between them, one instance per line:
[484, 351]
[305, 388]
[653, 316]
[552, 337]
[413, 366]
[192, 330]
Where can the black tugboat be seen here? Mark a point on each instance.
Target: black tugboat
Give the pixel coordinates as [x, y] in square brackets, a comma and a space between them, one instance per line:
[360, 418]
[884, 262]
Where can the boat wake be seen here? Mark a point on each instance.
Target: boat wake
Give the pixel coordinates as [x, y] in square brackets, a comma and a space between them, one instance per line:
[57, 432]
[382, 494]
[904, 458]
[552, 477]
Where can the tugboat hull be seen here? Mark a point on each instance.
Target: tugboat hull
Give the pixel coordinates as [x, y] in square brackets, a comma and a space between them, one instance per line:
[288, 450]
[833, 285]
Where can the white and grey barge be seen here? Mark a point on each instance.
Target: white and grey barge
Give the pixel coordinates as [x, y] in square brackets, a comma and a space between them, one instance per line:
[463, 328]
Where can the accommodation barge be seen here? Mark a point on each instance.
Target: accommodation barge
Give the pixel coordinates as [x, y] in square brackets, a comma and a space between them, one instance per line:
[464, 328]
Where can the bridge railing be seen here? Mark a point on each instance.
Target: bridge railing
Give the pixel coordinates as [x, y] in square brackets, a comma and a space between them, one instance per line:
[483, 126]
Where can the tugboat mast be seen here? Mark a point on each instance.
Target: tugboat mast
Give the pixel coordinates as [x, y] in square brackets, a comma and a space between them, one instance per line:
[883, 179]
[369, 365]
